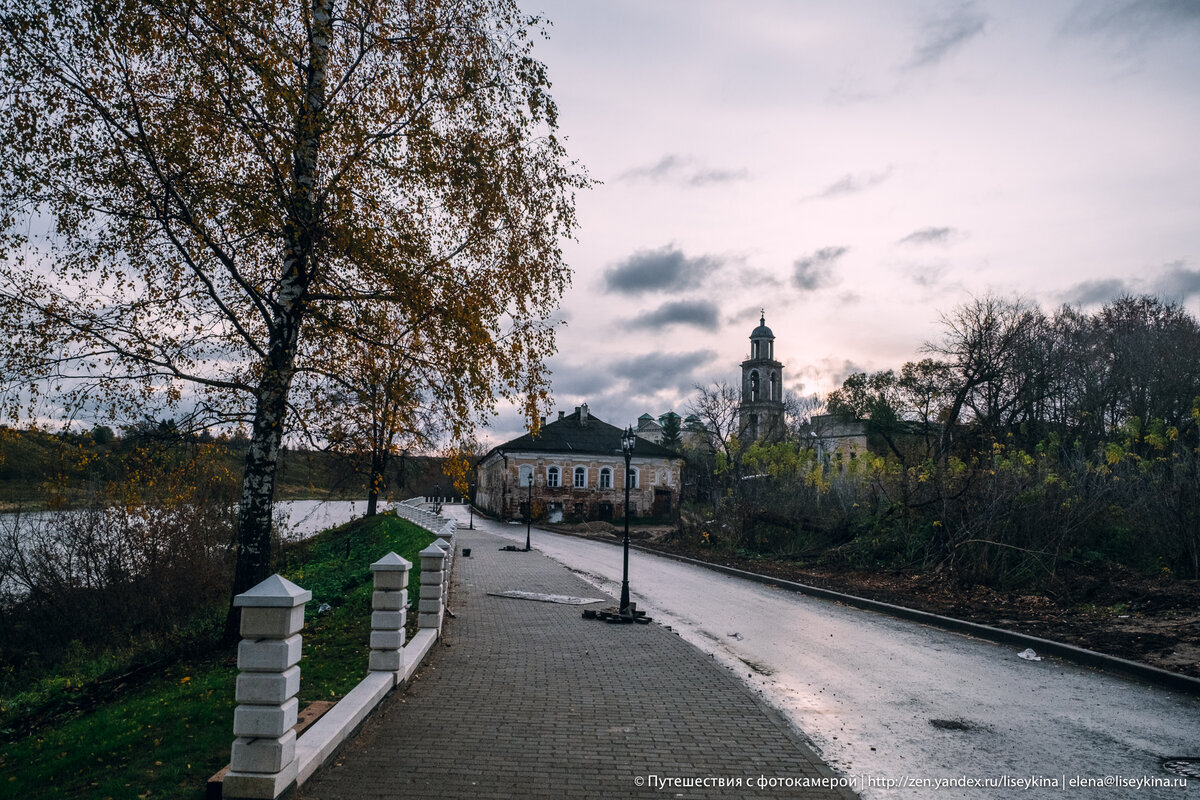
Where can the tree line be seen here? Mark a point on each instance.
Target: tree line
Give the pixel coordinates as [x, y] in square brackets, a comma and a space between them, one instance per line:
[1022, 442]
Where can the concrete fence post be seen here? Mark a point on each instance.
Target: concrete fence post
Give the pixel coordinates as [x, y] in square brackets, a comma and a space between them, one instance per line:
[263, 762]
[429, 615]
[447, 566]
[389, 603]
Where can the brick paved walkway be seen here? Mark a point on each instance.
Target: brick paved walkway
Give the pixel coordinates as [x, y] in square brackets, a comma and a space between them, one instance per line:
[527, 699]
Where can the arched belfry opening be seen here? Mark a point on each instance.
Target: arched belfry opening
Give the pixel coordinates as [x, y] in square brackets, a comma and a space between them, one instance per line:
[760, 415]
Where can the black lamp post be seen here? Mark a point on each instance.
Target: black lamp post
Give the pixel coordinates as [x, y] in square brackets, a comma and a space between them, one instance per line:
[529, 510]
[627, 442]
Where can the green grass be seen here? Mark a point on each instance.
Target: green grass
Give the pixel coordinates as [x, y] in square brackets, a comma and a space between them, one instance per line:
[164, 735]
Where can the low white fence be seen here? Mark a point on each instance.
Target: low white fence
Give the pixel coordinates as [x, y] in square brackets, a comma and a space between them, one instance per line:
[268, 757]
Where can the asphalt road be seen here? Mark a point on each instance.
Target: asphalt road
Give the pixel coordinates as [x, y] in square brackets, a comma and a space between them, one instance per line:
[907, 709]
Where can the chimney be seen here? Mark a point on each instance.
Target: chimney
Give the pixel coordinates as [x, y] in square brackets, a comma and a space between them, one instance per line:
[561, 414]
[583, 414]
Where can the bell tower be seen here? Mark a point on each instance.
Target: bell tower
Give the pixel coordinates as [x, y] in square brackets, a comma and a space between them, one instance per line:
[760, 415]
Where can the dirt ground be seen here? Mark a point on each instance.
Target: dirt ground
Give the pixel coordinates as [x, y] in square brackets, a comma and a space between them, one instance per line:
[1108, 609]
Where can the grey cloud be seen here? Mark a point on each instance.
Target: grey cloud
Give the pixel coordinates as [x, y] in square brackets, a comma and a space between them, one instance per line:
[926, 274]
[837, 370]
[1178, 282]
[655, 270]
[662, 369]
[816, 271]
[852, 184]
[1091, 292]
[1133, 20]
[941, 36]
[684, 170]
[579, 380]
[699, 313]
[928, 236]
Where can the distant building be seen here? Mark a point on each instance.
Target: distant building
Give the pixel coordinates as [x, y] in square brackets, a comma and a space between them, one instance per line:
[760, 414]
[837, 440]
[578, 473]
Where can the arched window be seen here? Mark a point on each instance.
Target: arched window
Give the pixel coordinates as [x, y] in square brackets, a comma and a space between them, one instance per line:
[581, 477]
[524, 474]
[552, 477]
[774, 386]
[605, 478]
[634, 478]
[754, 386]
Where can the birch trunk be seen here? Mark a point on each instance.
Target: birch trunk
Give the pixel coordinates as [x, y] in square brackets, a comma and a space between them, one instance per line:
[299, 269]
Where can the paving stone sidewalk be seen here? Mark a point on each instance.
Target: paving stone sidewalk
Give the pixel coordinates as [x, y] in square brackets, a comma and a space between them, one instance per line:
[527, 699]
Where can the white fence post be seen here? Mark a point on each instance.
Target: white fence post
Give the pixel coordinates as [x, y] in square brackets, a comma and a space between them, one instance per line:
[433, 559]
[389, 604]
[263, 762]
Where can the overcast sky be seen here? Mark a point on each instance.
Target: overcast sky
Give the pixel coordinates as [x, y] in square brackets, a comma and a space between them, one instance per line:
[856, 168]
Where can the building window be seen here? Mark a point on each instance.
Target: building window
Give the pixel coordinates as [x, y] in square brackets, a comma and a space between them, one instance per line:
[552, 477]
[754, 386]
[581, 477]
[524, 475]
[605, 478]
[774, 387]
[634, 478]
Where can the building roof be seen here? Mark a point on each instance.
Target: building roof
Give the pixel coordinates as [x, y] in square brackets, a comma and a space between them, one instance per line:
[570, 435]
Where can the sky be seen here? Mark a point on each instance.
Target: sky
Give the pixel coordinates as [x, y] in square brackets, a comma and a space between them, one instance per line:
[853, 169]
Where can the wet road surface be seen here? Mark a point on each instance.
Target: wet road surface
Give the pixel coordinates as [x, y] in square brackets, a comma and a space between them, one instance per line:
[906, 709]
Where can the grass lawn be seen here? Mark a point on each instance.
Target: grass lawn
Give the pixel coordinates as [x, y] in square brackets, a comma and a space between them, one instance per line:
[163, 735]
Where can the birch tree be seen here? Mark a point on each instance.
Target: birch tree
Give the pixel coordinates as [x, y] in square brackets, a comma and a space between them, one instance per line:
[196, 194]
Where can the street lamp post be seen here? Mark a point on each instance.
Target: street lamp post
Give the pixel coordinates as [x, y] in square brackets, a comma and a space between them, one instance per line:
[529, 510]
[627, 442]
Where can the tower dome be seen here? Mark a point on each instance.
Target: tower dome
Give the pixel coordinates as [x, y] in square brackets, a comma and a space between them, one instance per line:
[762, 331]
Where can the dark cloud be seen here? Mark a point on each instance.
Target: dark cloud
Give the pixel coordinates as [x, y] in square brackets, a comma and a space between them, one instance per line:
[655, 270]
[852, 184]
[1091, 292]
[929, 236]
[699, 313]
[662, 370]
[816, 271]
[684, 170]
[941, 36]
[1134, 21]
[1178, 282]
[577, 380]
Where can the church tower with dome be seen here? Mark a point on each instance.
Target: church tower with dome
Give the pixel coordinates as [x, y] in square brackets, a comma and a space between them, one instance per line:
[760, 414]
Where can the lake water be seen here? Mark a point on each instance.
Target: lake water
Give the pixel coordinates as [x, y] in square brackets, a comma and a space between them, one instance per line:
[297, 519]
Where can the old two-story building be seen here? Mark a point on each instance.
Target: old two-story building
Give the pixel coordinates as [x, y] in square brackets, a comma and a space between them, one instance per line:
[577, 472]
